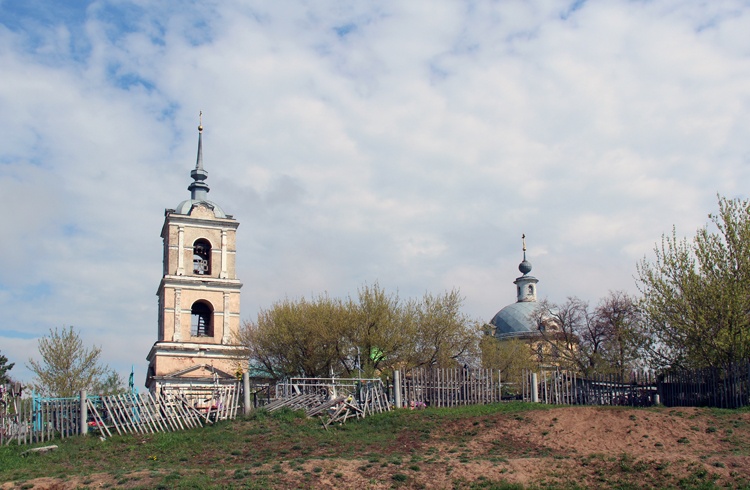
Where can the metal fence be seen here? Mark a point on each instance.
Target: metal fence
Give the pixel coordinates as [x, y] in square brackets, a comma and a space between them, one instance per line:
[711, 387]
[727, 387]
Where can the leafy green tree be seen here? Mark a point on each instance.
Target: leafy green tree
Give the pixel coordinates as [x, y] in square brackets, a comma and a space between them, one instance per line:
[111, 383]
[696, 294]
[381, 329]
[445, 336]
[4, 368]
[374, 332]
[297, 338]
[67, 366]
[512, 357]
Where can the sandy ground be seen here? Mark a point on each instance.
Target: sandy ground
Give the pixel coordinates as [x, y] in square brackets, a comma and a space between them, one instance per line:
[589, 447]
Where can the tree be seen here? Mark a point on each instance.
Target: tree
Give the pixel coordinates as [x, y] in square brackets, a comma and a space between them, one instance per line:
[67, 367]
[4, 368]
[511, 357]
[696, 294]
[297, 338]
[605, 339]
[374, 332]
[621, 319]
[111, 383]
[381, 329]
[445, 336]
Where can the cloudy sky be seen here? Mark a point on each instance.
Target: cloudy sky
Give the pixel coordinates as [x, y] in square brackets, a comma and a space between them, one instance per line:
[409, 143]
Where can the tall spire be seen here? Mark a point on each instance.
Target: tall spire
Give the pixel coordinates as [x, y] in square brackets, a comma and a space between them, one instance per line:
[525, 265]
[198, 188]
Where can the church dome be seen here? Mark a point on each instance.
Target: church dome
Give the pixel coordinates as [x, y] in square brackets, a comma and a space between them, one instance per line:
[187, 205]
[515, 320]
[524, 267]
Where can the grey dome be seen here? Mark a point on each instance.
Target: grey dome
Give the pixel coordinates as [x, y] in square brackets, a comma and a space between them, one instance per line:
[185, 206]
[515, 320]
[524, 267]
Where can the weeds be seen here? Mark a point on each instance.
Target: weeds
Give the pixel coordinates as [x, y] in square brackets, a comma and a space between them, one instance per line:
[402, 448]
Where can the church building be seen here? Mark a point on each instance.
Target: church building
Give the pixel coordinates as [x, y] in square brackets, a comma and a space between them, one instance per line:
[198, 296]
[516, 321]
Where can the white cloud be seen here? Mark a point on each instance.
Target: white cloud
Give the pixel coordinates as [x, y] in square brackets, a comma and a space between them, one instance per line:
[406, 142]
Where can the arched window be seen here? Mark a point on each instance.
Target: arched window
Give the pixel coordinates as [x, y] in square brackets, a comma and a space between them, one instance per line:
[201, 324]
[202, 257]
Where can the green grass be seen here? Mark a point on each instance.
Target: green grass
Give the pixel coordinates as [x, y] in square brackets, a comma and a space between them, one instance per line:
[284, 448]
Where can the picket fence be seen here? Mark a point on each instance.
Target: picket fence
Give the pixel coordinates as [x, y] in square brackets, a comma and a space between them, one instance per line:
[560, 387]
[26, 421]
[447, 387]
[43, 419]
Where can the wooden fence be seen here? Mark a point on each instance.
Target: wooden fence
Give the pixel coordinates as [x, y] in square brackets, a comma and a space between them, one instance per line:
[559, 387]
[35, 420]
[43, 419]
[333, 399]
[447, 387]
[136, 413]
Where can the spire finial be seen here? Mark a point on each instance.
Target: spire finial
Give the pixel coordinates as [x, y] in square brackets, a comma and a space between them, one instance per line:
[198, 189]
[525, 266]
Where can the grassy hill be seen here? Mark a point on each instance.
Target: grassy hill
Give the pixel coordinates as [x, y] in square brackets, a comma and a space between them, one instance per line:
[512, 445]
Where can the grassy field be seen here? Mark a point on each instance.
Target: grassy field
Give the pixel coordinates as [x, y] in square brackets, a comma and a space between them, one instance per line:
[511, 445]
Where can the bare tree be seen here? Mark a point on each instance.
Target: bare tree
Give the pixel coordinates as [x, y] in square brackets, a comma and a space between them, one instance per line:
[620, 316]
[607, 338]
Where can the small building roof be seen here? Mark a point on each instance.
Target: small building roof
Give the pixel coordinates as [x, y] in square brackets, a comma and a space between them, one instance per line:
[517, 319]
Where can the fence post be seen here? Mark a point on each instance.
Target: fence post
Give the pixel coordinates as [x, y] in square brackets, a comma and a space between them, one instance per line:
[499, 386]
[84, 414]
[246, 393]
[397, 388]
[534, 388]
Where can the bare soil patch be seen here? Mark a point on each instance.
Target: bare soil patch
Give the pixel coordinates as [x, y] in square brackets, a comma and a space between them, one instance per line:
[568, 447]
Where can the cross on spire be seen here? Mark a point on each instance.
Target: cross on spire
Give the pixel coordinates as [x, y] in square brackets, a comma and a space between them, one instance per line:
[198, 188]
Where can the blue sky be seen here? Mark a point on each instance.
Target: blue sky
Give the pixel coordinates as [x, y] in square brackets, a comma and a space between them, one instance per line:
[410, 143]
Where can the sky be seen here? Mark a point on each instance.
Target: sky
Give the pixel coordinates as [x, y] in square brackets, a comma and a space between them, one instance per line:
[405, 143]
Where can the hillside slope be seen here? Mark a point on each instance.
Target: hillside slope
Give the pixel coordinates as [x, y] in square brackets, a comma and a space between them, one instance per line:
[504, 446]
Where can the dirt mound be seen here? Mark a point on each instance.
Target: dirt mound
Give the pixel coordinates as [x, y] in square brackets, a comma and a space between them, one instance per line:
[586, 446]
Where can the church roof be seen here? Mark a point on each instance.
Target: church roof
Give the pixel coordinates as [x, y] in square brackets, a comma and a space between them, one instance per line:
[517, 319]
[198, 188]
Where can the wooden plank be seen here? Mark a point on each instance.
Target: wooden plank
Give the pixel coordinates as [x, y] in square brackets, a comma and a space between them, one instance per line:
[153, 412]
[159, 414]
[98, 419]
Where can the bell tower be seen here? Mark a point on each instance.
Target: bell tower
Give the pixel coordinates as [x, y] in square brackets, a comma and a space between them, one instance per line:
[199, 293]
